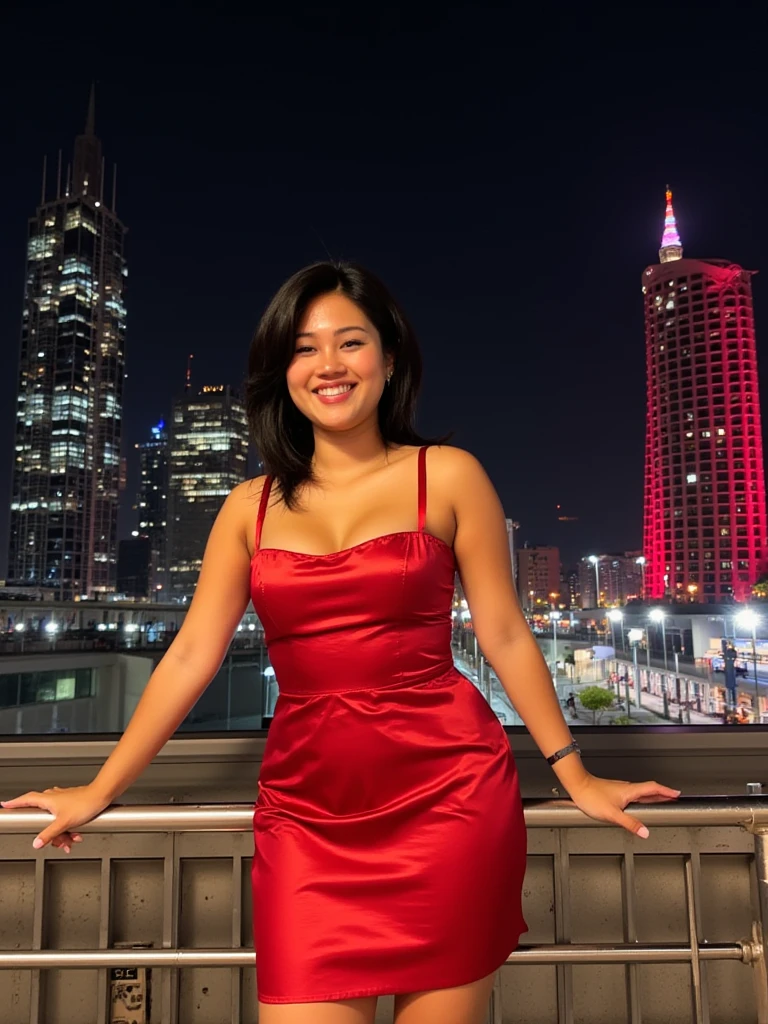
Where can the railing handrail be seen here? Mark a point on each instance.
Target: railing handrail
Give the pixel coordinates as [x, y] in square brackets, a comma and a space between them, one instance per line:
[750, 813]
[692, 811]
[243, 956]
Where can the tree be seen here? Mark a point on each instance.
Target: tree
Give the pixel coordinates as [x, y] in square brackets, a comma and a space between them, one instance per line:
[760, 589]
[597, 700]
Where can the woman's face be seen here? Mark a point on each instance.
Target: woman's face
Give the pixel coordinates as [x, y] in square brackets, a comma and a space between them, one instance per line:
[339, 369]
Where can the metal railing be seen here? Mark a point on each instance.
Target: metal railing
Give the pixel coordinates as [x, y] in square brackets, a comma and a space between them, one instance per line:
[750, 815]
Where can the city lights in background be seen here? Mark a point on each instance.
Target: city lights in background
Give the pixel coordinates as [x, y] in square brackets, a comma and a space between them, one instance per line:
[670, 236]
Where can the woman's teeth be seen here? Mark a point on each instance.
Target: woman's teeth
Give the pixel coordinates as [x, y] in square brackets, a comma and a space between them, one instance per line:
[335, 391]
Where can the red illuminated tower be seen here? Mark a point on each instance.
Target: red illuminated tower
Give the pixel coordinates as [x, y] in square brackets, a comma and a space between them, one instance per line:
[704, 527]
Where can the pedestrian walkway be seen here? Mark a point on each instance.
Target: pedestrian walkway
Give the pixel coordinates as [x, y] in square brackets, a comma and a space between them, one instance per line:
[650, 712]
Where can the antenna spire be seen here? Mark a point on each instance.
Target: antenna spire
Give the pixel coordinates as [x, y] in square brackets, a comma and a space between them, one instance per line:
[90, 120]
[87, 169]
[671, 246]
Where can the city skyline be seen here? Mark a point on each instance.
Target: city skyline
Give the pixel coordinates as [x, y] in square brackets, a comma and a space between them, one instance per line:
[520, 279]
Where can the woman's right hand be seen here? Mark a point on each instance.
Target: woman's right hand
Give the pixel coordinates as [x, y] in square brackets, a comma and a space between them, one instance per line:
[69, 807]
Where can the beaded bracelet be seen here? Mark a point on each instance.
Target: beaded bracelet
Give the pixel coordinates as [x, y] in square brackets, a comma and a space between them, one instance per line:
[572, 747]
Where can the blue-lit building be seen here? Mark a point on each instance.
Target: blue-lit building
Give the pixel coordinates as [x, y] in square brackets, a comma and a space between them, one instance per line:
[152, 508]
[208, 456]
[70, 385]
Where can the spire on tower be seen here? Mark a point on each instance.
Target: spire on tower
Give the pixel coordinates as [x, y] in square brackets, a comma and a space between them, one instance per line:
[90, 120]
[671, 246]
[86, 180]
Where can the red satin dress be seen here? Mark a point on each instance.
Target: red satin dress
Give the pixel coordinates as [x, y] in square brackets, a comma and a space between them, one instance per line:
[389, 836]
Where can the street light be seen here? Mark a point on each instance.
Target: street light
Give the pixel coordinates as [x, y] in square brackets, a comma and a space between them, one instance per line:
[658, 616]
[641, 562]
[553, 617]
[596, 562]
[635, 636]
[52, 628]
[614, 616]
[749, 620]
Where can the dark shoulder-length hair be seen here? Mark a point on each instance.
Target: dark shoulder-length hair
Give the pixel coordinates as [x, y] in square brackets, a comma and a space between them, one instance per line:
[281, 433]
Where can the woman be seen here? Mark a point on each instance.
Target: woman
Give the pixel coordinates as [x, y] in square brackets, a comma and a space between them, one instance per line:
[389, 834]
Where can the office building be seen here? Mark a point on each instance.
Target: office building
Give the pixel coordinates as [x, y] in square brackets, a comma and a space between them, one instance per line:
[133, 561]
[208, 449]
[704, 532]
[538, 578]
[66, 472]
[152, 508]
[620, 579]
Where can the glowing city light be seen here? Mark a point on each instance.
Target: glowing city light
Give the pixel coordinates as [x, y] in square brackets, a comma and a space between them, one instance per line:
[671, 235]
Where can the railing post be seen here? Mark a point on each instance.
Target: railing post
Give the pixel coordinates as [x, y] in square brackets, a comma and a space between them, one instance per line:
[494, 1004]
[760, 929]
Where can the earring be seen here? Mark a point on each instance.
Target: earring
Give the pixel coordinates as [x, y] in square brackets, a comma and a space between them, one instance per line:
[389, 377]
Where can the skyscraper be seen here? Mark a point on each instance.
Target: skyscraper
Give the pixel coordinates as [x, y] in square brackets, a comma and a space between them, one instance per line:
[70, 386]
[704, 528]
[208, 450]
[152, 507]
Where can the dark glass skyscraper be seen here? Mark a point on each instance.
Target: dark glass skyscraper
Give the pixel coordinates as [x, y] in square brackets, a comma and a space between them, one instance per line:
[70, 385]
[208, 453]
[152, 507]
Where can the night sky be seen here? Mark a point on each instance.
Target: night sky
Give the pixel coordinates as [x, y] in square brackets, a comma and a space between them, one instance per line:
[503, 173]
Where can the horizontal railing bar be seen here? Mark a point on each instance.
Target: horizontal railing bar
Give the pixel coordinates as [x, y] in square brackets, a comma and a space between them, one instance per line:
[698, 811]
[554, 954]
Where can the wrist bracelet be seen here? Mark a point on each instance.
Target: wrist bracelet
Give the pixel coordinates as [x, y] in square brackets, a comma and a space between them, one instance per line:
[572, 747]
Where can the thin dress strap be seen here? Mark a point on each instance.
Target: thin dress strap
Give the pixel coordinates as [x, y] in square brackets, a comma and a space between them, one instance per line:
[262, 509]
[422, 487]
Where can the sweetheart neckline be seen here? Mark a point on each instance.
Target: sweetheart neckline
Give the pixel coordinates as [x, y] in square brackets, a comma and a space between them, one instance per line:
[354, 547]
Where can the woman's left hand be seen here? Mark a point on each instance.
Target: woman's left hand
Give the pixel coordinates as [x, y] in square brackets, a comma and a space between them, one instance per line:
[605, 800]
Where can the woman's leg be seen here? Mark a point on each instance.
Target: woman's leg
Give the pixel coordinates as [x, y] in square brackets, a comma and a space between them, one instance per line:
[467, 1004]
[343, 1011]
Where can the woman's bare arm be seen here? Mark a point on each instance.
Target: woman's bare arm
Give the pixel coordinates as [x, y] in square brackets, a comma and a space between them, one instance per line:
[194, 657]
[482, 553]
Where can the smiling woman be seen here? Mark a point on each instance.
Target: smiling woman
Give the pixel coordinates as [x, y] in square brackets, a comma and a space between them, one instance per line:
[329, 326]
[387, 779]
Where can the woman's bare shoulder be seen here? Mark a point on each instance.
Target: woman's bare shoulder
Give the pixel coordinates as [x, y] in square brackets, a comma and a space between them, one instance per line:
[244, 500]
[452, 464]
[250, 488]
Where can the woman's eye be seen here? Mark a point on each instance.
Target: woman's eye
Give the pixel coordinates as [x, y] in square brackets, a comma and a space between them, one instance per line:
[308, 348]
